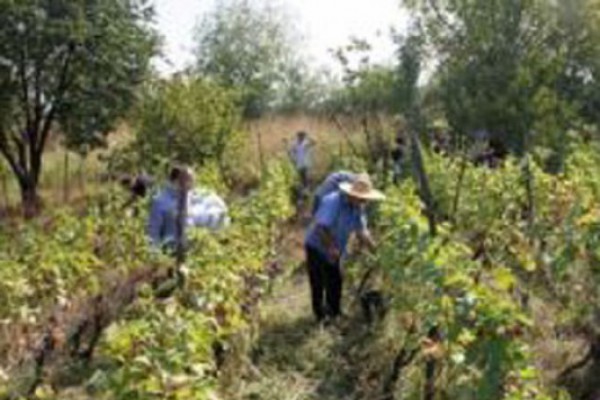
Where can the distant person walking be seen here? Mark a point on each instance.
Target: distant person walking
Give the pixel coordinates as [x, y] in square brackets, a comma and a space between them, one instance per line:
[166, 225]
[339, 215]
[300, 153]
[331, 184]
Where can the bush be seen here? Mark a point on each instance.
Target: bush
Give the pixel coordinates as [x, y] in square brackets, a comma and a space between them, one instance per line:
[185, 119]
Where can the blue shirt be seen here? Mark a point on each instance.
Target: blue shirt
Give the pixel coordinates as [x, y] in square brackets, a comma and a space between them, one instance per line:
[162, 224]
[341, 217]
[332, 183]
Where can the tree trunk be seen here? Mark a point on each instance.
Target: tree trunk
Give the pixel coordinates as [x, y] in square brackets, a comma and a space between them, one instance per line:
[30, 201]
[4, 188]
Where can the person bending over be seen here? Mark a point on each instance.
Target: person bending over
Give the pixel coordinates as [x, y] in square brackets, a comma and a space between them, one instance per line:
[339, 215]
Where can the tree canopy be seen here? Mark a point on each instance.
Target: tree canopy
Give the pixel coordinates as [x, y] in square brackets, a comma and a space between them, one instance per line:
[187, 119]
[69, 67]
[511, 68]
[248, 45]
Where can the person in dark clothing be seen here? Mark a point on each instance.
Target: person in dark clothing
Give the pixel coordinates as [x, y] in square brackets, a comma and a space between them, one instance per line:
[138, 188]
[397, 155]
[141, 185]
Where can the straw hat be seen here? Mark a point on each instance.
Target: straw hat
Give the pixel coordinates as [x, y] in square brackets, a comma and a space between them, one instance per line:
[362, 188]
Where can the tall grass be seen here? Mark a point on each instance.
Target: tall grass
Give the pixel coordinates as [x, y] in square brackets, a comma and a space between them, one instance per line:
[334, 137]
[67, 176]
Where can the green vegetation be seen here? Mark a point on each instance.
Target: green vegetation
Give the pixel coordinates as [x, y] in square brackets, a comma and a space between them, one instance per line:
[485, 280]
[66, 67]
[88, 269]
[249, 46]
[194, 120]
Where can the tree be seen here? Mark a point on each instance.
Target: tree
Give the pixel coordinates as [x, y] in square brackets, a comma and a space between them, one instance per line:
[191, 120]
[504, 67]
[367, 93]
[302, 89]
[578, 30]
[247, 45]
[69, 67]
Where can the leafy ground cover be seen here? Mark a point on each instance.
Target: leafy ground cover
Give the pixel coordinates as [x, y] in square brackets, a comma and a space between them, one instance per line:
[499, 304]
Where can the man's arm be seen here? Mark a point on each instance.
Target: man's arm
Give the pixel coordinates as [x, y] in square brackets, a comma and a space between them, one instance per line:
[325, 220]
[366, 239]
[363, 233]
[328, 241]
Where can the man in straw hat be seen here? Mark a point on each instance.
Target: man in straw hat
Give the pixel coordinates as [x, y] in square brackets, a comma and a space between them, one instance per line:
[331, 184]
[339, 215]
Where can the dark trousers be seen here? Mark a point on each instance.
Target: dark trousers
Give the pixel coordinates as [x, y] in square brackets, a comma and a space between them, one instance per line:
[303, 173]
[325, 284]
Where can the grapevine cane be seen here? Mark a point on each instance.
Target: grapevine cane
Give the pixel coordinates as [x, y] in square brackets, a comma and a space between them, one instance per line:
[372, 260]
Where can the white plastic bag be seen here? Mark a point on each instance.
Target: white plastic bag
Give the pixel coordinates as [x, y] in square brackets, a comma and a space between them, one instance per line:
[206, 210]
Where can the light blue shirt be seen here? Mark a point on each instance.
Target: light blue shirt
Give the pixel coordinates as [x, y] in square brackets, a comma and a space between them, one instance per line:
[341, 217]
[332, 183]
[162, 223]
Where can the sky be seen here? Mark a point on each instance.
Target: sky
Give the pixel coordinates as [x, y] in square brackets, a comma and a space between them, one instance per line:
[325, 24]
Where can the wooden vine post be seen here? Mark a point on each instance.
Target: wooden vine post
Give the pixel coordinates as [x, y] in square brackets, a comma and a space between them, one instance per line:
[420, 175]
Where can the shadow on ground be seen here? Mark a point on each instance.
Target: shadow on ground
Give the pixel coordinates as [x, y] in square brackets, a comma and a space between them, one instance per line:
[295, 358]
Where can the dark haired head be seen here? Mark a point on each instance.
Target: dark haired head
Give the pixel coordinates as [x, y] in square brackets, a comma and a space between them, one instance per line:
[181, 175]
[176, 172]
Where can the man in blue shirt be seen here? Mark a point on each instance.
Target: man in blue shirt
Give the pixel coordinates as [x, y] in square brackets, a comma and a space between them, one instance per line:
[331, 184]
[339, 215]
[165, 215]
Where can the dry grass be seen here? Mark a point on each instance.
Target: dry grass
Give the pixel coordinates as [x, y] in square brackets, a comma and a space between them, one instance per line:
[66, 176]
[263, 139]
[268, 137]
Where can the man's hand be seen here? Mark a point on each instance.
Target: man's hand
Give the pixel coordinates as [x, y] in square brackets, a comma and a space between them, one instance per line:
[367, 240]
[334, 253]
[327, 239]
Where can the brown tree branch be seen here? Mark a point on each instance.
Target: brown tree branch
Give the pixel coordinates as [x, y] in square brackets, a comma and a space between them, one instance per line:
[5, 151]
[24, 83]
[439, 16]
[20, 149]
[61, 89]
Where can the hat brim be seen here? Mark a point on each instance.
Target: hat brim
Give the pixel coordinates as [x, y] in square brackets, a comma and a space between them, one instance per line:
[372, 195]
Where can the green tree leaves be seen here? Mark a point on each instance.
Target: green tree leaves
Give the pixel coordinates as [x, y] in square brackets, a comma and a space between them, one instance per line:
[513, 67]
[249, 46]
[69, 67]
[185, 119]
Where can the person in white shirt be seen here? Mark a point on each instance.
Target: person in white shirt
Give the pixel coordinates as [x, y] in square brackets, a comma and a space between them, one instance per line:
[300, 155]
